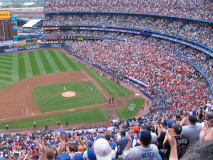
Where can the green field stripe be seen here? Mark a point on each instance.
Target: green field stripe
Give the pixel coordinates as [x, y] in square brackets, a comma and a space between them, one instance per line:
[5, 59]
[21, 64]
[15, 71]
[8, 55]
[63, 61]
[68, 60]
[29, 72]
[112, 88]
[5, 78]
[57, 61]
[51, 62]
[40, 63]
[34, 64]
[83, 116]
[5, 72]
[125, 112]
[6, 67]
[45, 62]
[6, 63]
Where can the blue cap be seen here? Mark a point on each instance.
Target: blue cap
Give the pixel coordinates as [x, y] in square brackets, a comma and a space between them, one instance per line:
[169, 123]
[78, 156]
[145, 135]
[99, 136]
[143, 126]
[90, 143]
[91, 154]
[63, 156]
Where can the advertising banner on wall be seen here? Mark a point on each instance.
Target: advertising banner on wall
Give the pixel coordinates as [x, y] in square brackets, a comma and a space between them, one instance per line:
[6, 36]
[4, 15]
[14, 24]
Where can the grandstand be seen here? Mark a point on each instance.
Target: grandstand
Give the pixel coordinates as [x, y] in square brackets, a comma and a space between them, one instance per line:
[104, 51]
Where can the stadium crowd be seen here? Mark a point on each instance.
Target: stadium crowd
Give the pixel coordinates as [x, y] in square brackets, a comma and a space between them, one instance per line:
[171, 81]
[191, 30]
[161, 134]
[199, 9]
[201, 59]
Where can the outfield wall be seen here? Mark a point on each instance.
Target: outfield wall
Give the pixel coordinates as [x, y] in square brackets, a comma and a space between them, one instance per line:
[31, 47]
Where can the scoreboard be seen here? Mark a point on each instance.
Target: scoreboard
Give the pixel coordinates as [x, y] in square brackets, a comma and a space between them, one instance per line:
[6, 34]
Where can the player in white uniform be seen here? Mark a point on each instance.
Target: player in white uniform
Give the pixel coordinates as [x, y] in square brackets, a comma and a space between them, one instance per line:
[91, 89]
[64, 88]
[144, 151]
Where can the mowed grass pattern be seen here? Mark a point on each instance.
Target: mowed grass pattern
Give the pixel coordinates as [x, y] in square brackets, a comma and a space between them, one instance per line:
[82, 116]
[112, 88]
[6, 70]
[49, 97]
[125, 113]
[19, 66]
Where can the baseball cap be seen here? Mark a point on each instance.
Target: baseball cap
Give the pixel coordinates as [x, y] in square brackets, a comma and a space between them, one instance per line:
[177, 128]
[63, 156]
[99, 136]
[136, 128]
[145, 135]
[81, 149]
[78, 156]
[169, 124]
[102, 149]
[90, 143]
[91, 154]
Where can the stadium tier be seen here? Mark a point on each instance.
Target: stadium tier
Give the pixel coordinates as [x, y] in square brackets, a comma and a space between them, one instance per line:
[197, 31]
[198, 9]
[112, 80]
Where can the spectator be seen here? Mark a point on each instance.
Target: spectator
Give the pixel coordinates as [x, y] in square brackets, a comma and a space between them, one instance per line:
[103, 150]
[146, 150]
[154, 136]
[121, 143]
[181, 142]
[192, 129]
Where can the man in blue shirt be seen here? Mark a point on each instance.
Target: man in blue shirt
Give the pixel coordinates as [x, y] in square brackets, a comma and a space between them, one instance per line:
[121, 143]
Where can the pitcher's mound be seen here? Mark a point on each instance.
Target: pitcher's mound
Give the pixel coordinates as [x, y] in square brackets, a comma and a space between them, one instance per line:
[68, 94]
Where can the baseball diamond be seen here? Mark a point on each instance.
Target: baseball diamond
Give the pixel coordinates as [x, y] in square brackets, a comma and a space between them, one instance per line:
[35, 81]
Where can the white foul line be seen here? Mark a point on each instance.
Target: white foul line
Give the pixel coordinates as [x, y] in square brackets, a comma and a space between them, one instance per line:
[88, 78]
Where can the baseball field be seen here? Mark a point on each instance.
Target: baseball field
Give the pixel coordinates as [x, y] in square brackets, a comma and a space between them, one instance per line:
[34, 84]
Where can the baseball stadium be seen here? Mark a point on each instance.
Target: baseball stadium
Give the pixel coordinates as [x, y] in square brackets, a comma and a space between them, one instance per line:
[107, 80]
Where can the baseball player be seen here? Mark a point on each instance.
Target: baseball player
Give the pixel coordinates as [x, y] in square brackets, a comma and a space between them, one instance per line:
[64, 88]
[91, 89]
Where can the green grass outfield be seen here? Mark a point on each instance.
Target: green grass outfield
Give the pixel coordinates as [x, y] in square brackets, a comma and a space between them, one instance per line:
[18, 66]
[49, 98]
[125, 113]
[76, 117]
